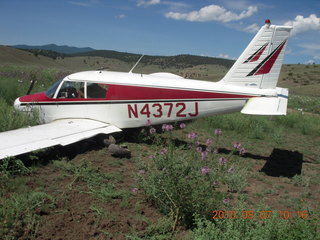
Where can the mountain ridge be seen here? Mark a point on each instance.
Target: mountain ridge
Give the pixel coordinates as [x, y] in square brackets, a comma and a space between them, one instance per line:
[65, 49]
[54, 51]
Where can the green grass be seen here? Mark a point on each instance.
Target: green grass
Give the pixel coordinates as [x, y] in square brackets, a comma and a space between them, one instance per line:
[253, 229]
[20, 208]
[12, 119]
[260, 127]
[100, 185]
[305, 103]
[15, 82]
[19, 214]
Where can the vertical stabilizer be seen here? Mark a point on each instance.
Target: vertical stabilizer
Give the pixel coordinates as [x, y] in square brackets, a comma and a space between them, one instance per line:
[260, 64]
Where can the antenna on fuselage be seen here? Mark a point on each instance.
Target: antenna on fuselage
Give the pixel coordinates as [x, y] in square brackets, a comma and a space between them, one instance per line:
[136, 64]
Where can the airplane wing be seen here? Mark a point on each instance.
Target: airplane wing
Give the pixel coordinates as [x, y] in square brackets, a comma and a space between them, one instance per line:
[59, 132]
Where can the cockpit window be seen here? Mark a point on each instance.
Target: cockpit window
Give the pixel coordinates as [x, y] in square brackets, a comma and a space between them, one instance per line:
[96, 90]
[71, 89]
[51, 91]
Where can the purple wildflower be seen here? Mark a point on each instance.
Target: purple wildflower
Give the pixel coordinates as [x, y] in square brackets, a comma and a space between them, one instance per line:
[205, 170]
[199, 149]
[141, 172]
[134, 190]
[223, 161]
[163, 151]
[167, 127]
[148, 122]
[152, 130]
[204, 155]
[226, 201]
[152, 157]
[237, 145]
[183, 125]
[231, 170]
[217, 132]
[242, 151]
[209, 142]
[192, 135]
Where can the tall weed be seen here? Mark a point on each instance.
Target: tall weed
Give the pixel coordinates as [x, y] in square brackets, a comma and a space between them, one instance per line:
[11, 119]
[10, 90]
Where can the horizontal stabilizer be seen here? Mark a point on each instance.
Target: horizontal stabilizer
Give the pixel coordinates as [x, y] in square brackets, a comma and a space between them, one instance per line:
[60, 132]
[268, 105]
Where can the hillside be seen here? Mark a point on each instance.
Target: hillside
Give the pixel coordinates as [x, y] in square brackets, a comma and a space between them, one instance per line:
[12, 56]
[185, 65]
[53, 47]
[181, 61]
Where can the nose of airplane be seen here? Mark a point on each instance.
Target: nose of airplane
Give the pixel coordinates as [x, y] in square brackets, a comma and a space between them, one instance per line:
[17, 104]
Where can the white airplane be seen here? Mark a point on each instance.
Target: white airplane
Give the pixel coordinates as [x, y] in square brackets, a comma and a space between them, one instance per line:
[86, 104]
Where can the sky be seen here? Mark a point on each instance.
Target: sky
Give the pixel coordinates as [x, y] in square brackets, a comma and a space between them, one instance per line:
[214, 28]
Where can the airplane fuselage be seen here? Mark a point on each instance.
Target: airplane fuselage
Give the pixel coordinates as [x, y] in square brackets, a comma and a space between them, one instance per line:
[128, 100]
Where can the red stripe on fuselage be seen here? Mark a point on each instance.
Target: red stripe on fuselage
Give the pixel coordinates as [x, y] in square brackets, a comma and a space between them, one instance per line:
[124, 92]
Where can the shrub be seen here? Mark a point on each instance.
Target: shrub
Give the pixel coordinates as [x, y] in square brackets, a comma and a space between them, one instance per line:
[180, 184]
[272, 228]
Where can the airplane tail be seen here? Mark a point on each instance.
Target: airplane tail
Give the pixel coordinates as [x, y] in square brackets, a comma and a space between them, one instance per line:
[260, 64]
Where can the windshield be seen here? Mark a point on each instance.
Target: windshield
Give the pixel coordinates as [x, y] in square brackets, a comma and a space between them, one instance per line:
[71, 89]
[51, 91]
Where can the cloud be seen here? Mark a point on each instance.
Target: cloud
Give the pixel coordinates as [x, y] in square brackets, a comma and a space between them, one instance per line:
[121, 16]
[312, 46]
[253, 28]
[212, 13]
[236, 4]
[226, 56]
[86, 3]
[171, 4]
[176, 5]
[221, 55]
[301, 24]
[311, 61]
[147, 3]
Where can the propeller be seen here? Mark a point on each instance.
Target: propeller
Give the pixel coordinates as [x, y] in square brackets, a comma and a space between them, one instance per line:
[33, 80]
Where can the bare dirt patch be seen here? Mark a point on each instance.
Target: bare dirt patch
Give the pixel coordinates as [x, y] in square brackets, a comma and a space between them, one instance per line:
[77, 214]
